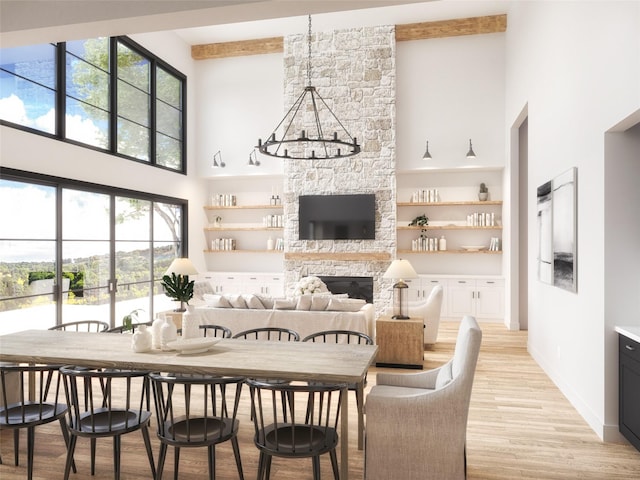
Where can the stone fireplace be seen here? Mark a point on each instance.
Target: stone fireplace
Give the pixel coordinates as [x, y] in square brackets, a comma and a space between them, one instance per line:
[354, 71]
[355, 287]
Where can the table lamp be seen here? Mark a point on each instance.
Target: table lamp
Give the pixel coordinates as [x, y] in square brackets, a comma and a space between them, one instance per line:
[399, 270]
[176, 281]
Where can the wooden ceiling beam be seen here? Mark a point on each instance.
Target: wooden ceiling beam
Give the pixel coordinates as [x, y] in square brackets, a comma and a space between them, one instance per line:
[405, 32]
[451, 28]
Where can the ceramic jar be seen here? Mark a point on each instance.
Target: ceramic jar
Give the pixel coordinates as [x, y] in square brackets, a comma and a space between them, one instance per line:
[190, 324]
[168, 332]
[156, 328]
[141, 340]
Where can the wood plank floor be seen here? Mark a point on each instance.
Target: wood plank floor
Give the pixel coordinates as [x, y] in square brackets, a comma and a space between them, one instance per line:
[520, 426]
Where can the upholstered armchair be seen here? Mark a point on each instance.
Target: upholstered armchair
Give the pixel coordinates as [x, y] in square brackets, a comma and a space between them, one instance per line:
[429, 310]
[416, 422]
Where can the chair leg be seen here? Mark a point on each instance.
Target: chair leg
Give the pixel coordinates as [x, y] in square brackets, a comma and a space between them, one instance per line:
[116, 457]
[93, 456]
[334, 464]
[70, 449]
[315, 461]
[261, 462]
[16, 445]
[211, 450]
[147, 444]
[236, 453]
[31, 433]
[267, 462]
[161, 457]
[65, 435]
[176, 461]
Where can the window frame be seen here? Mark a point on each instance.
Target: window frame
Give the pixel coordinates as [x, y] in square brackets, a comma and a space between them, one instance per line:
[61, 97]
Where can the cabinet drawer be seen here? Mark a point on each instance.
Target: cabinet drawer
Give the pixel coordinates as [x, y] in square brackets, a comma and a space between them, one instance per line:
[629, 348]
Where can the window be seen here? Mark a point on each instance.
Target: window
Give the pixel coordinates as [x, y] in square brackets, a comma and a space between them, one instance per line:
[106, 93]
[105, 259]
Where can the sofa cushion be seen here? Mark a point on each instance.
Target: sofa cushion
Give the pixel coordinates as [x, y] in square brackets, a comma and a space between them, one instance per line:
[237, 301]
[253, 302]
[266, 300]
[219, 301]
[284, 304]
[345, 304]
[319, 303]
[200, 289]
[304, 302]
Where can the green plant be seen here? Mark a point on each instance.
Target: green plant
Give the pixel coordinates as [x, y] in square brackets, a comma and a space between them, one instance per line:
[420, 220]
[178, 287]
[483, 188]
[127, 320]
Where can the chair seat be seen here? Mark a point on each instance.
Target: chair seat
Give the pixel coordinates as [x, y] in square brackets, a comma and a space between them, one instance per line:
[31, 414]
[393, 391]
[105, 423]
[299, 440]
[199, 431]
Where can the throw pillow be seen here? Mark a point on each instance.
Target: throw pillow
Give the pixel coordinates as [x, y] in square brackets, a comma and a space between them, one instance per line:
[201, 288]
[253, 302]
[237, 301]
[266, 301]
[345, 304]
[304, 302]
[319, 302]
[218, 301]
[284, 304]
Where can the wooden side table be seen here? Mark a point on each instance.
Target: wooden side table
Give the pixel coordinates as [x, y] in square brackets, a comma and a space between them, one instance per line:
[400, 342]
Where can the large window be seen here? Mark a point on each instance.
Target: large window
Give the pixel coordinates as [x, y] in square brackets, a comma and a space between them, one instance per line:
[105, 93]
[71, 252]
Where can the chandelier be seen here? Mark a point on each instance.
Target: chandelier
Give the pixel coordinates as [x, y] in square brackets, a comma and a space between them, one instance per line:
[311, 143]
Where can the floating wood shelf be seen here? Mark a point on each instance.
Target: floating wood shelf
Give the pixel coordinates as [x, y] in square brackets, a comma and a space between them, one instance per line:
[448, 227]
[445, 204]
[342, 256]
[231, 228]
[240, 207]
[243, 251]
[443, 252]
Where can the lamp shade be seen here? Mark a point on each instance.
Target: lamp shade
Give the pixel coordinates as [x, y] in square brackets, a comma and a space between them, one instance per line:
[181, 266]
[400, 269]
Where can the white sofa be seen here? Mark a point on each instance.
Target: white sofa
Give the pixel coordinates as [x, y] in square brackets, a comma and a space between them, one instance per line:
[283, 314]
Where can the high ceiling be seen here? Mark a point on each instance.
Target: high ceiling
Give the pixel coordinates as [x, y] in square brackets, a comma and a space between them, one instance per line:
[208, 21]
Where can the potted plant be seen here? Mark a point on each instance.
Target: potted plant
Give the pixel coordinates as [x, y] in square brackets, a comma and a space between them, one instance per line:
[127, 320]
[483, 194]
[179, 288]
[419, 221]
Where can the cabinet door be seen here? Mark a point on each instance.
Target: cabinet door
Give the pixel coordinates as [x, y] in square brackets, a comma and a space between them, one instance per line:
[272, 285]
[462, 298]
[489, 299]
[231, 283]
[427, 284]
[414, 289]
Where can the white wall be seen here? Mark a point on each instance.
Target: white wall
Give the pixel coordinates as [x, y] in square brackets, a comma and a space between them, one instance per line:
[577, 66]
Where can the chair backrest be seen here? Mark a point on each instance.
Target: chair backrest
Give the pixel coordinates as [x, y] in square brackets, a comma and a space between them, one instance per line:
[132, 329]
[467, 349]
[339, 336]
[196, 408]
[216, 331]
[269, 333]
[30, 394]
[83, 326]
[295, 419]
[105, 401]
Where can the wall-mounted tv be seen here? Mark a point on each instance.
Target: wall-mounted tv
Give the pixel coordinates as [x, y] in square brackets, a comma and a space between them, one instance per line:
[337, 217]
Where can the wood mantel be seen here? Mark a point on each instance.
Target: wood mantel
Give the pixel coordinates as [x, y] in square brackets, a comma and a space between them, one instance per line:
[404, 32]
[341, 256]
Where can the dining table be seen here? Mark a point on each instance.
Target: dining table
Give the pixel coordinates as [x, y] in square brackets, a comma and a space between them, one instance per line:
[291, 361]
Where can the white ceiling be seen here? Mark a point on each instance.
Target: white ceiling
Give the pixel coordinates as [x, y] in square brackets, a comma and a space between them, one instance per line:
[24, 22]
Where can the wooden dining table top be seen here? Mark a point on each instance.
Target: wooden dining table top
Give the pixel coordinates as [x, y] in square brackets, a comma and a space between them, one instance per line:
[324, 362]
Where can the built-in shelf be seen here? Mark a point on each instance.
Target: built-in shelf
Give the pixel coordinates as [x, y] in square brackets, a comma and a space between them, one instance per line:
[447, 227]
[432, 252]
[449, 204]
[232, 228]
[241, 207]
[243, 251]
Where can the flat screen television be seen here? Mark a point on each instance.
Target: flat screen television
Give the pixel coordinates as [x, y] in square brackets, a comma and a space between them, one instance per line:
[337, 217]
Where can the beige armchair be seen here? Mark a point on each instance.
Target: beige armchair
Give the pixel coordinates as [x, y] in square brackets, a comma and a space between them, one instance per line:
[429, 310]
[416, 422]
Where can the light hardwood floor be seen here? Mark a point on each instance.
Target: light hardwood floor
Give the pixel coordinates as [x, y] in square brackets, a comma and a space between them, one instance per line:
[520, 426]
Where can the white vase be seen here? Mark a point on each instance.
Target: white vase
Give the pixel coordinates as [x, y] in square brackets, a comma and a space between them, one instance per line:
[168, 332]
[156, 335]
[190, 323]
[141, 340]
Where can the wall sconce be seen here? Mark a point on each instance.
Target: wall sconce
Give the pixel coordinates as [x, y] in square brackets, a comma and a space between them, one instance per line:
[471, 153]
[217, 164]
[253, 159]
[427, 155]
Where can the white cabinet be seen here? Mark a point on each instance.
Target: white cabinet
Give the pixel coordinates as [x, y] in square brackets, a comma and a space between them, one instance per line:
[242, 282]
[420, 289]
[482, 298]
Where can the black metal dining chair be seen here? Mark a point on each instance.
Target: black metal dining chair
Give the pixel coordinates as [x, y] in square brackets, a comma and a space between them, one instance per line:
[213, 331]
[31, 395]
[349, 337]
[97, 326]
[196, 411]
[295, 421]
[106, 403]
[132, 328]
[269, 333]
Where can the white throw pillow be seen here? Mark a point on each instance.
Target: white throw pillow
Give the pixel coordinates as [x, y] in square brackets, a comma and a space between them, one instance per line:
[237, 301]
[200, 289]
[304, 302]
[345, 304]
[218, 301]
[319, 302]
[284, 304]
[266, 301]
[253, 302]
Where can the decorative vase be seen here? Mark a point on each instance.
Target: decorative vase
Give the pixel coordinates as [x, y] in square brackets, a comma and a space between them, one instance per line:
[270, 243]
[142, 340]
[190, 323]
[168, 332]
[482, 196]
[156, 335]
